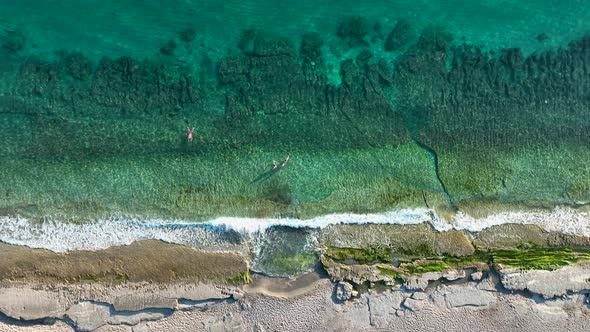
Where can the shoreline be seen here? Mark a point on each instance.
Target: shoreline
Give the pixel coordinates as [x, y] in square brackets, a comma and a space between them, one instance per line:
[229, 233]
[80, 290]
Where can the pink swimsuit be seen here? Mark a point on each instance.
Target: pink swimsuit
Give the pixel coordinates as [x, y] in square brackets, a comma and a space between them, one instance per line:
[190, 135]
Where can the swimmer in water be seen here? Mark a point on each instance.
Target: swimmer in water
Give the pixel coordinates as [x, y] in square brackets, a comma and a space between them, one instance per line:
[189, 134]
[275, 164]
[285, 162]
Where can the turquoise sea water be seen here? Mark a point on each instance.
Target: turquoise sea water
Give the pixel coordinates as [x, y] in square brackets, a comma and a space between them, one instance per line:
[481, 102]
[453, 114]
[138, 28]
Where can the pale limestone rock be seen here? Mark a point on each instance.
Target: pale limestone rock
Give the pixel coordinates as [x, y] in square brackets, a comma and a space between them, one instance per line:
[343, 291]
[462, 295]
[454, 274]
[29, 304]
[549, 284]
[419, 296]
[140, 301]
[88, 316]
[229, 323]
[383, 306]
[476, 276]
[135, 318]
[415, 305]
[486, 284]
[420, 282]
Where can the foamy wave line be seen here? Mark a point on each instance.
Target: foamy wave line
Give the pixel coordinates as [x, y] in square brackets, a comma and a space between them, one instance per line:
[219, 234]
[226, 233]
[560, 219]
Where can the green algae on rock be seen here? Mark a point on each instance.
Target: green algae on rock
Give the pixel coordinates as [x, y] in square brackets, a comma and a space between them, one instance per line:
[366, 253]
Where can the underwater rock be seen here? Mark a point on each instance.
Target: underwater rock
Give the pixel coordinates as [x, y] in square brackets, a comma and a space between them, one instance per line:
[310, 50]
[39, 78]
[233, 69]
[168, 48]
[246, 39]
[126, 83]
[364, 56]
[188, 35]
[385, 72]
[78, 66]
[267, 44]
[12, 41]
[401, 34]
[349, 72]
[353, 30]
[378, 28]
[277, 84]
[435, 39]
[354, 26]
[542, 37]
[497, 95]
[264, 44]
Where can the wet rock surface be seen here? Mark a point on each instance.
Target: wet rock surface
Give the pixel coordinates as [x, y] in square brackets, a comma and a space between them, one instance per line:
[514, 235]
[418, 239]
[141, 261]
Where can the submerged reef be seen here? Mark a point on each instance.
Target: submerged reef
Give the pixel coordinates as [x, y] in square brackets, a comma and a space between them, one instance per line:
[438, 123]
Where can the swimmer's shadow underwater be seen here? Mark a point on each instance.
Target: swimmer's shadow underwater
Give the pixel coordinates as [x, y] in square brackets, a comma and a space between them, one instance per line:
[275, 169]
[266, 175]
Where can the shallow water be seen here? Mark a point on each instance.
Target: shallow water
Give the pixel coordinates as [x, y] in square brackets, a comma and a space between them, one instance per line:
[454, 117]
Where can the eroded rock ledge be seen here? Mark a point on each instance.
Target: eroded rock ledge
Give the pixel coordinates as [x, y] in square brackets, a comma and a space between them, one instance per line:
[90, 306]
[381, 272]
[522, 257]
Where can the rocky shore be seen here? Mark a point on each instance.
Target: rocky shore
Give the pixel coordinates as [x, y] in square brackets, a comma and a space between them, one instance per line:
[471, 302]
[370, 278]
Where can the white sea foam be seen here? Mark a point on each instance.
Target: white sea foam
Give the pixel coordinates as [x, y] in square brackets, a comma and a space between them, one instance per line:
[218, 234]
[561, 219]
[226, 233]
[405, 216]
[101, 234]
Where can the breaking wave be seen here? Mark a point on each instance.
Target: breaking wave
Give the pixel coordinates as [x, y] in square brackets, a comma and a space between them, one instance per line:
[228, 233]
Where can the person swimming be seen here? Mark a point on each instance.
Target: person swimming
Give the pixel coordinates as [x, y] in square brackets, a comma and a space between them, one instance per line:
[285, 161]
[275, 164]
[189, 134]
